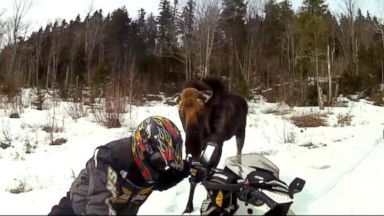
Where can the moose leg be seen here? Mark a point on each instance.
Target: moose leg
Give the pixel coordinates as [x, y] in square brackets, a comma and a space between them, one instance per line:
[189, 207]
[240, 141]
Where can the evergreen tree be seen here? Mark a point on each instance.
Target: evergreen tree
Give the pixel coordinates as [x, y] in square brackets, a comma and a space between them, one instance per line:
[233, 19]
[117, 34]
[314, 29]
[187, 20]
[150, 33]
[314, 32]
[165, 27]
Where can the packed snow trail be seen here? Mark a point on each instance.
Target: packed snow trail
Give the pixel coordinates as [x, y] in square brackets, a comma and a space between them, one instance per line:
[361, 184]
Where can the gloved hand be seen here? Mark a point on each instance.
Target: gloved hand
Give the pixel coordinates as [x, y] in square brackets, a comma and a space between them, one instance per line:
[186, 169]
[198, 173]
[171, 177]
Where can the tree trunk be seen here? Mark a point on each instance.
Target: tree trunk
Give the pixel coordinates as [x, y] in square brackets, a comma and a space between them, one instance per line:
[37, 60]
[337, 89]
[30, 70]
[207, 54]
[319, 91]
[66, 78]
[48, 73]
[382, 71]
[382, 58]
[329, 78]
[357, 57]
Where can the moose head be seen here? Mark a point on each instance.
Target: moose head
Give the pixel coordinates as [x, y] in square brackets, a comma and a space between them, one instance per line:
[191, 107]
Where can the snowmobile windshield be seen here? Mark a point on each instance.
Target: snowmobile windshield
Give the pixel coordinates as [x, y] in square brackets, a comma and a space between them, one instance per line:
[243, 164]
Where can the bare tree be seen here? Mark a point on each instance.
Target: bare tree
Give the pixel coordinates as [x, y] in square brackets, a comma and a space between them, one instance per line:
[351, 7]
[186, 29]
[16, 31]
[252, 56]
[207, 21]
[256, 8]
[329, 75]
[380, 29]
[71, 81]
[289, 51]
[93, 36]
[132, 70]
[37, 57]
[2, 29]
[54, 55]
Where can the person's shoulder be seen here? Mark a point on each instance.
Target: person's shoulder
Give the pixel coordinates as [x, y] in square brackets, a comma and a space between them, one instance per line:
[125, 140]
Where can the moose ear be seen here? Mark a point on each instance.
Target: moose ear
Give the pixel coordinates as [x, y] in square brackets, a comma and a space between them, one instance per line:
[176, 98]
[205, 95]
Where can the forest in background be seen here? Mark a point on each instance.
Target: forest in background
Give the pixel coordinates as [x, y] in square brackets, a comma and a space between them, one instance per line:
[303, 57]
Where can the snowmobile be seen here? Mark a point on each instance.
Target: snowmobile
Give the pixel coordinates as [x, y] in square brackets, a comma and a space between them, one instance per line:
[248, 184]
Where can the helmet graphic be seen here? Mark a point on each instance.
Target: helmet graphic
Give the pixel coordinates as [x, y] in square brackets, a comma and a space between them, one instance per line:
[157, 146]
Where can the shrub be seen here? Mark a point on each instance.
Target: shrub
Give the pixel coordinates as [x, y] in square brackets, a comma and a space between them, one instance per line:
[349, 84]
[312, 96]
[59, 141]
[4, 145]
[378, 99]
[76, 110]
[14, 115]
[39, 100]
[243, 89]
[110, 114]
[291, 137]
[6, 138]
[344, 120]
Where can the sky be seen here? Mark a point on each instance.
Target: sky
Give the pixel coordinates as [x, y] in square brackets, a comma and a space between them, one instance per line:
[46, 11]
[340, 164]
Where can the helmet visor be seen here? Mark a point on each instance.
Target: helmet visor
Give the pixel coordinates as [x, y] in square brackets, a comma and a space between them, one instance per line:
[159, 163]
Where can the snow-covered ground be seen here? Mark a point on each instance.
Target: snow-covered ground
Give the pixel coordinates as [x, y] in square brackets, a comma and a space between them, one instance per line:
[341, 165]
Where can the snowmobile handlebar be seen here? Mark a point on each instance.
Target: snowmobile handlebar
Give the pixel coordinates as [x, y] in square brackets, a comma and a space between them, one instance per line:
[200, 172]
[225, 187]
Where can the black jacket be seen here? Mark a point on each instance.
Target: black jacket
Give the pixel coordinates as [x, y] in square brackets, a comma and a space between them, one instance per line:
[112, 184]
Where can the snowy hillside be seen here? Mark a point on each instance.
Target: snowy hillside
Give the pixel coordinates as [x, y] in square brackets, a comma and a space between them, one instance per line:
[341, 163]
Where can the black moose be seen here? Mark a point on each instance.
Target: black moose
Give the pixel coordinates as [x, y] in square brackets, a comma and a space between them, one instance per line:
[210, 113]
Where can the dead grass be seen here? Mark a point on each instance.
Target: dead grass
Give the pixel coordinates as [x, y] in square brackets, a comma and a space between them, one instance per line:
[275, 111]
[309, 120]
[20, 188]
[50, 129]
[59, 141]
[311, 145]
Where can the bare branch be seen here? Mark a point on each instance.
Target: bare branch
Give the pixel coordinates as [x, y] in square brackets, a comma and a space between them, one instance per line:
[91, 7]
[206, 25]
[2, 29]
[20, 10]
[256, 8]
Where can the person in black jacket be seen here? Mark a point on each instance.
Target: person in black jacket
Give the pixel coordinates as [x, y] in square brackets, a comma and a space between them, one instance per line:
[122, 174]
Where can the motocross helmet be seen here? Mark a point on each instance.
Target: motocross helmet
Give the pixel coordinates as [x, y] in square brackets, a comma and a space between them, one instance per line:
[156, 147]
